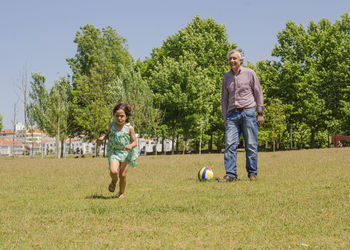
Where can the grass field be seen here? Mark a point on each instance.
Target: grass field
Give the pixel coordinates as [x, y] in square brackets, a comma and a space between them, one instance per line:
[300, 200]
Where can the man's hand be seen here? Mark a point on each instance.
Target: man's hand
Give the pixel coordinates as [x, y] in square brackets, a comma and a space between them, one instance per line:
[260, 120]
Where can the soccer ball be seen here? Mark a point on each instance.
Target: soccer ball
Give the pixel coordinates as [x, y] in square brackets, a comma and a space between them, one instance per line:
[205, 174]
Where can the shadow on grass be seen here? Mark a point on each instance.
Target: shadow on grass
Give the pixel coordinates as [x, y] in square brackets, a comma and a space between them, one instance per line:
[101, 197]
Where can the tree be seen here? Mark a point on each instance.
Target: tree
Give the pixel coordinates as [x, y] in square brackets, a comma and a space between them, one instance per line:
[31, 124]
[329, 67]
[49, 110]
[170, 91]
[14, 127]
[91, 102]
[132, 89]
[155, 119]
[1, 125]
[275, 121]
[103, 73]
[346, 121]
[198, 49]
[95, 47]
[39, 102]
[23, 88]
[58, 113]
[311, 77]
[197, 119]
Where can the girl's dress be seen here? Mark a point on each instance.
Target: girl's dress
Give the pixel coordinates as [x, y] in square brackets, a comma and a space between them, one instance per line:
[116, 143]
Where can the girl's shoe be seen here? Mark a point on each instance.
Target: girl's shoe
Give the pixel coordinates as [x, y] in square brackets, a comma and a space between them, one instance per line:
[121, 196]
[111, 186]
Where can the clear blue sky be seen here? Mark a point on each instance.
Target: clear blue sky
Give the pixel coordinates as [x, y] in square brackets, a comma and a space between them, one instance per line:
[37, 35]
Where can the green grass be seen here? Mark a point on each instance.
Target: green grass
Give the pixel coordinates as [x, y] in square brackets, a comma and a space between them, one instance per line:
[300, 200]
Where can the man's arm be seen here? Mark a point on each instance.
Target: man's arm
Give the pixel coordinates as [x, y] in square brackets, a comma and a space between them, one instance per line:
[259, 99]
[224, 99]
[258, 94]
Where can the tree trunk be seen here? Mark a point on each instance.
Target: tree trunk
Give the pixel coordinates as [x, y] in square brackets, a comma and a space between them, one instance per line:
[156, 152]
[200, 144]
[58, 139]
[97, 150]
[14, 132]
[312, 138]
[301, 142]
[41, 145]
[32, 154]
[291, 138]
[329, 141]
[184, 146]
[104, 148]
[177, 143]
[25, 91]
[173, 140]
[25, 137]
[63, 153]
[210, 147]
[273, 140]
[163, 146]
[163, 141]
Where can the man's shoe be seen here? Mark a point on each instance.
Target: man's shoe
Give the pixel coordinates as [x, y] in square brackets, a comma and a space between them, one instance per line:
[252, 177]
[228, 179]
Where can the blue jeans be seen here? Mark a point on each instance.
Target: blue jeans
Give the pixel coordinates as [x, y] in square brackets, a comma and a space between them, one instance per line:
[236, 123]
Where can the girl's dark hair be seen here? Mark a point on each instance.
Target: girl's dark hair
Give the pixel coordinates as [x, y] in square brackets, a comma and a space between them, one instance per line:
[128, 109]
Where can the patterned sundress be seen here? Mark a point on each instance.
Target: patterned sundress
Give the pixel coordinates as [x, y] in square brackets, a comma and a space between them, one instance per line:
[116, 143]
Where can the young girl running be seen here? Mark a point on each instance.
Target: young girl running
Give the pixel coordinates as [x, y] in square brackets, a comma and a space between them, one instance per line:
[121, 148]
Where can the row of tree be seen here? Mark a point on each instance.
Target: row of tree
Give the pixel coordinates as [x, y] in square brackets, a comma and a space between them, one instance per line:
[176, 91]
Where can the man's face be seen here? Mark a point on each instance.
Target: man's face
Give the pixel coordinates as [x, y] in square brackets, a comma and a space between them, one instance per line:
[235, 61]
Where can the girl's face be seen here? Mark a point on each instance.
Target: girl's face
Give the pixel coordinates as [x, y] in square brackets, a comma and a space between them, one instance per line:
[120, 117]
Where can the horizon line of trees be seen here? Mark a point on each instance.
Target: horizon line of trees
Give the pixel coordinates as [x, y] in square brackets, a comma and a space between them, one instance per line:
[176, 91]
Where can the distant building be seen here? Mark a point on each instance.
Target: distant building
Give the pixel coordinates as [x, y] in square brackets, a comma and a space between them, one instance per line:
[19, 126]
[30, 136]
[36, 142]
[151, 144]
[78, 146]
[10, 148]
[7, 134]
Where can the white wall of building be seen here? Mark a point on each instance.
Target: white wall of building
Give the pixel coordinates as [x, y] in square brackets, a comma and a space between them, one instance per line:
[151, 144]
[8, 150]
[47, 145]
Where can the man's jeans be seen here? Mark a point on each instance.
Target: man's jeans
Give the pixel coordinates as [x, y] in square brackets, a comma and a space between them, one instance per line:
[237, 122]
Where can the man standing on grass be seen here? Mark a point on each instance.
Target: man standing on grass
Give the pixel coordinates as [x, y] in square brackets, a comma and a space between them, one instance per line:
[241, 92]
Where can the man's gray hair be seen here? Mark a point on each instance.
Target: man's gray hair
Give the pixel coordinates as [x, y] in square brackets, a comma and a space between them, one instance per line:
[240, 51]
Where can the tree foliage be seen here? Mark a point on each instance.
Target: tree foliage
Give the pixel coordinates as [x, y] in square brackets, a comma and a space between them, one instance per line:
[49, 110]
[276, 124]
[101, 57]
[312, 75]
[39, 102]
[176, 91]
[185, 76]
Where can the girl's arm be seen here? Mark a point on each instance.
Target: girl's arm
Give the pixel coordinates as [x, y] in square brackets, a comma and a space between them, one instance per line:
[104, 137]
[133, 139]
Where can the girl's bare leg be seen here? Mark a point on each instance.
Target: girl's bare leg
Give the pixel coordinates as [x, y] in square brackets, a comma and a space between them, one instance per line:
[122, 177]
[113, 172]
